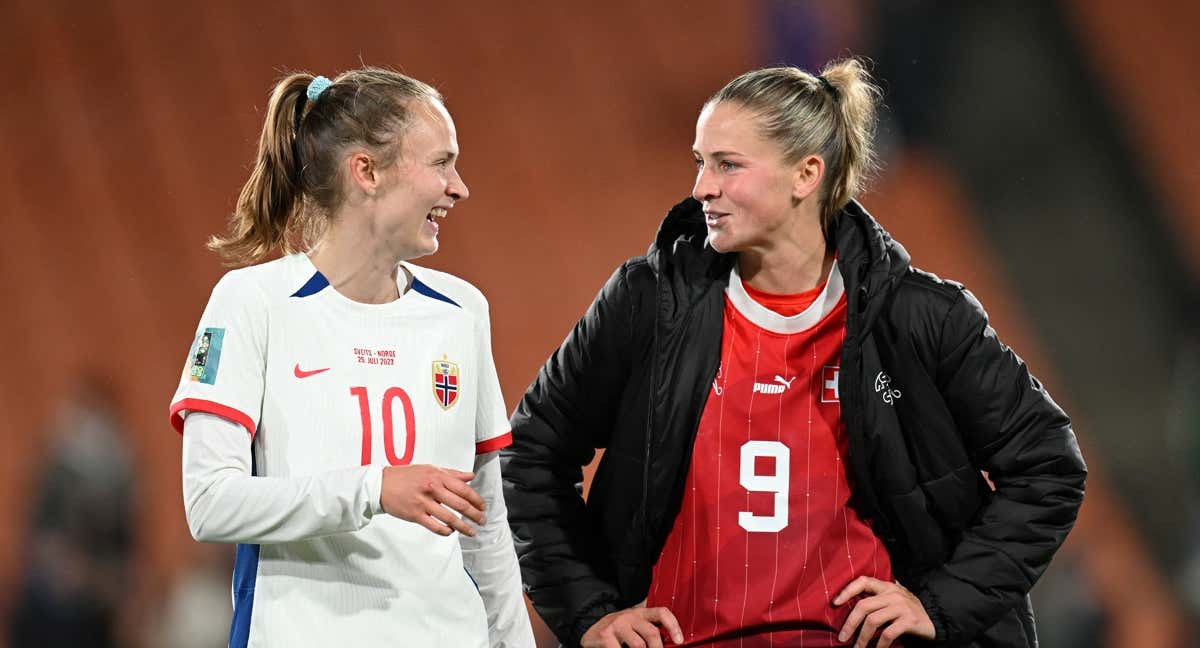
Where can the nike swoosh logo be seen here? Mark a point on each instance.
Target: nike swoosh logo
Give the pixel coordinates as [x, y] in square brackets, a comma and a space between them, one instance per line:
[300, 373]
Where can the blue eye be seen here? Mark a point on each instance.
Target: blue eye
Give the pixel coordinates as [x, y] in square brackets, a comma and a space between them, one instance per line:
[726, 165]
[699, 163]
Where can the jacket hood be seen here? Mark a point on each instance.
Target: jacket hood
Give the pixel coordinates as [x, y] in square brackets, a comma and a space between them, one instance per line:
[871, 261]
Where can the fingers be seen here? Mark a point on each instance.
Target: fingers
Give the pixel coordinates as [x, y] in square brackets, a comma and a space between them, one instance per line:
[858, 586]
[637, 632]
[449, 499]
[627, 636]
[891, 633]
[450, 520]
[634, 627]
[433, 525]
[472, 502]
[650, 634]
[891, 611]
[858, 614]
[431, 496]
[663, 617]
[872, 623]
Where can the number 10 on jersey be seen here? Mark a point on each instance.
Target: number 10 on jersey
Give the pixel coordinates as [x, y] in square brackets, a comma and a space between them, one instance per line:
[390, 397]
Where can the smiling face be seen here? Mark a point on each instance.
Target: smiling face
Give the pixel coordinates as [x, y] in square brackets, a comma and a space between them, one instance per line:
[422, 185]
[747, 188]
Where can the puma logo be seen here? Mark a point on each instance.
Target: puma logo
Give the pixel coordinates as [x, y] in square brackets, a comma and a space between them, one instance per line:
[772, 388]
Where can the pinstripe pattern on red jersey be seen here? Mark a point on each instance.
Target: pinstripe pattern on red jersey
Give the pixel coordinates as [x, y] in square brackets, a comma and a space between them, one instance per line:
[727, 572]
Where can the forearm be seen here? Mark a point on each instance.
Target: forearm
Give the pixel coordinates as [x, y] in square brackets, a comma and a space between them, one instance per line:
[225, 502]
[491, 561]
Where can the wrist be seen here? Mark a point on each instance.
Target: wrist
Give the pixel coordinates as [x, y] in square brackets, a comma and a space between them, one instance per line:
[373, 484]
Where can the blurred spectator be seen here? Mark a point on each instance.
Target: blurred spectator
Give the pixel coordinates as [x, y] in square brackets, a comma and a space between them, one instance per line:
[78, 551]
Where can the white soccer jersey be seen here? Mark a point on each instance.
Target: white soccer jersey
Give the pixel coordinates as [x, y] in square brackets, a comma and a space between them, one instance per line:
[331, 391]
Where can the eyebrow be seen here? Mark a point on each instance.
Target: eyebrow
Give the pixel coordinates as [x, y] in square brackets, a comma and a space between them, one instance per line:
[718, 153]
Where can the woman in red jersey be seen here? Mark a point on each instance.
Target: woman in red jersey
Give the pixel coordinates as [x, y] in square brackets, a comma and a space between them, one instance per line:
[795, 420]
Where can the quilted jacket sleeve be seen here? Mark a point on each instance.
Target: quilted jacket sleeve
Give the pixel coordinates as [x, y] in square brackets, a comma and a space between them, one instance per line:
[566, 414]
[1023, 439]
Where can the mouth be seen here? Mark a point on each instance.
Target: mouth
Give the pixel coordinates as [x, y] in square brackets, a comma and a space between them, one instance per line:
[433, 215]
[713, 219]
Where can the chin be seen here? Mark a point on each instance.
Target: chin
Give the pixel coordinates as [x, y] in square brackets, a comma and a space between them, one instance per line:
[721, 242]
[422, 251]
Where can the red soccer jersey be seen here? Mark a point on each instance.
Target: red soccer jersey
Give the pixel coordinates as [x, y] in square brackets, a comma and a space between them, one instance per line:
[765, 537]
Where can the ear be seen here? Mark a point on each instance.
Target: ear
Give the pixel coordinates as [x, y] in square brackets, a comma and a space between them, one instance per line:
[363, 172]
[807, 176]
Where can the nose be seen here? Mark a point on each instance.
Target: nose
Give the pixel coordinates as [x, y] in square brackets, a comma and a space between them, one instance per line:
[706, 187]
[457, 189]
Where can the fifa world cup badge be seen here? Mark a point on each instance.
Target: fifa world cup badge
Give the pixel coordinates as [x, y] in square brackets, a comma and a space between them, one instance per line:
[445, 383]
[205, 356]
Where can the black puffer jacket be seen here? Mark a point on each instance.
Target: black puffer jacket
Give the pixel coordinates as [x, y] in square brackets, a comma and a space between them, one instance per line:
[930, 398]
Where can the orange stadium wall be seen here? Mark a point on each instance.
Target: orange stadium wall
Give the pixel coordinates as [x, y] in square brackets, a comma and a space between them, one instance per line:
[128, 128]
[127, 132]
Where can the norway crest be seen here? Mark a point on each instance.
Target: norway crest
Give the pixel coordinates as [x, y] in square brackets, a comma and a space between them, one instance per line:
[445, 382]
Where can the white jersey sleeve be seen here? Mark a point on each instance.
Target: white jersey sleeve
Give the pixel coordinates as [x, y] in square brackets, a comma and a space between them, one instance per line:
[224, 374]
[491, 561]
[224, 502]
[491, 418]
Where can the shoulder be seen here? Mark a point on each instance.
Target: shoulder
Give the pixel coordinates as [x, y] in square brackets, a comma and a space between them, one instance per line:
[934, 310]
[448, 288]
[265, 284]
[638, 270]
[635, 276]
[925, 286]
[922, 294]
[628, 292]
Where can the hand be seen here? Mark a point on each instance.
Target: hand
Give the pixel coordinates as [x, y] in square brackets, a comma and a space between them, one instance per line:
[890, 605]
[429, 495]
[635, 627]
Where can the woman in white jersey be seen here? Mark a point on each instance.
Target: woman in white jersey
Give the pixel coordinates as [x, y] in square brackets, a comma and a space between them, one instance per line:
[794, 418]
[340, 409]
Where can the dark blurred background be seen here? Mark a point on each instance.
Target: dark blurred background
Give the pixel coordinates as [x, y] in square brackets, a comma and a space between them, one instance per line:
[1044, 153]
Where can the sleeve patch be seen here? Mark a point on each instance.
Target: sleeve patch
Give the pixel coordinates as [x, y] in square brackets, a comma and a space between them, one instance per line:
[205, 356]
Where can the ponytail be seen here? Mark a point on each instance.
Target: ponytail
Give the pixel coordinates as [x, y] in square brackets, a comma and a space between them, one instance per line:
[268, 206]
[856, 101]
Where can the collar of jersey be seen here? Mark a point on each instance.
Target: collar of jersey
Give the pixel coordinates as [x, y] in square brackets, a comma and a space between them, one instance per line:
[331, 295]
[770, 320]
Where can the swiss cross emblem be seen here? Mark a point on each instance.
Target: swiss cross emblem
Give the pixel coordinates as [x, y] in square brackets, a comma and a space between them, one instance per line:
[829, 384]
[445, 382]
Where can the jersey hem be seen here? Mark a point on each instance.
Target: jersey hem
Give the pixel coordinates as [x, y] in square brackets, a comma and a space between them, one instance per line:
[210, 407]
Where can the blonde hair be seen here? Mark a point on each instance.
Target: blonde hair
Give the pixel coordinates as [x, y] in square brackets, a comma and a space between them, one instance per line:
[296, 184]
[831, 115]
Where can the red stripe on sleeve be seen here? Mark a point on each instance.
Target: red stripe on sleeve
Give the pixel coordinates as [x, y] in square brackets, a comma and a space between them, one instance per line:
[494, 443]
[201, 405]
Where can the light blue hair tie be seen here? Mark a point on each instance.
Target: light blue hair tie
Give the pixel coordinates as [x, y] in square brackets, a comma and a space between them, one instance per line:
[317, 86]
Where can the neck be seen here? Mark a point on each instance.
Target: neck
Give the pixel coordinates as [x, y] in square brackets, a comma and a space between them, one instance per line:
[355, 264]
[795, 260]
